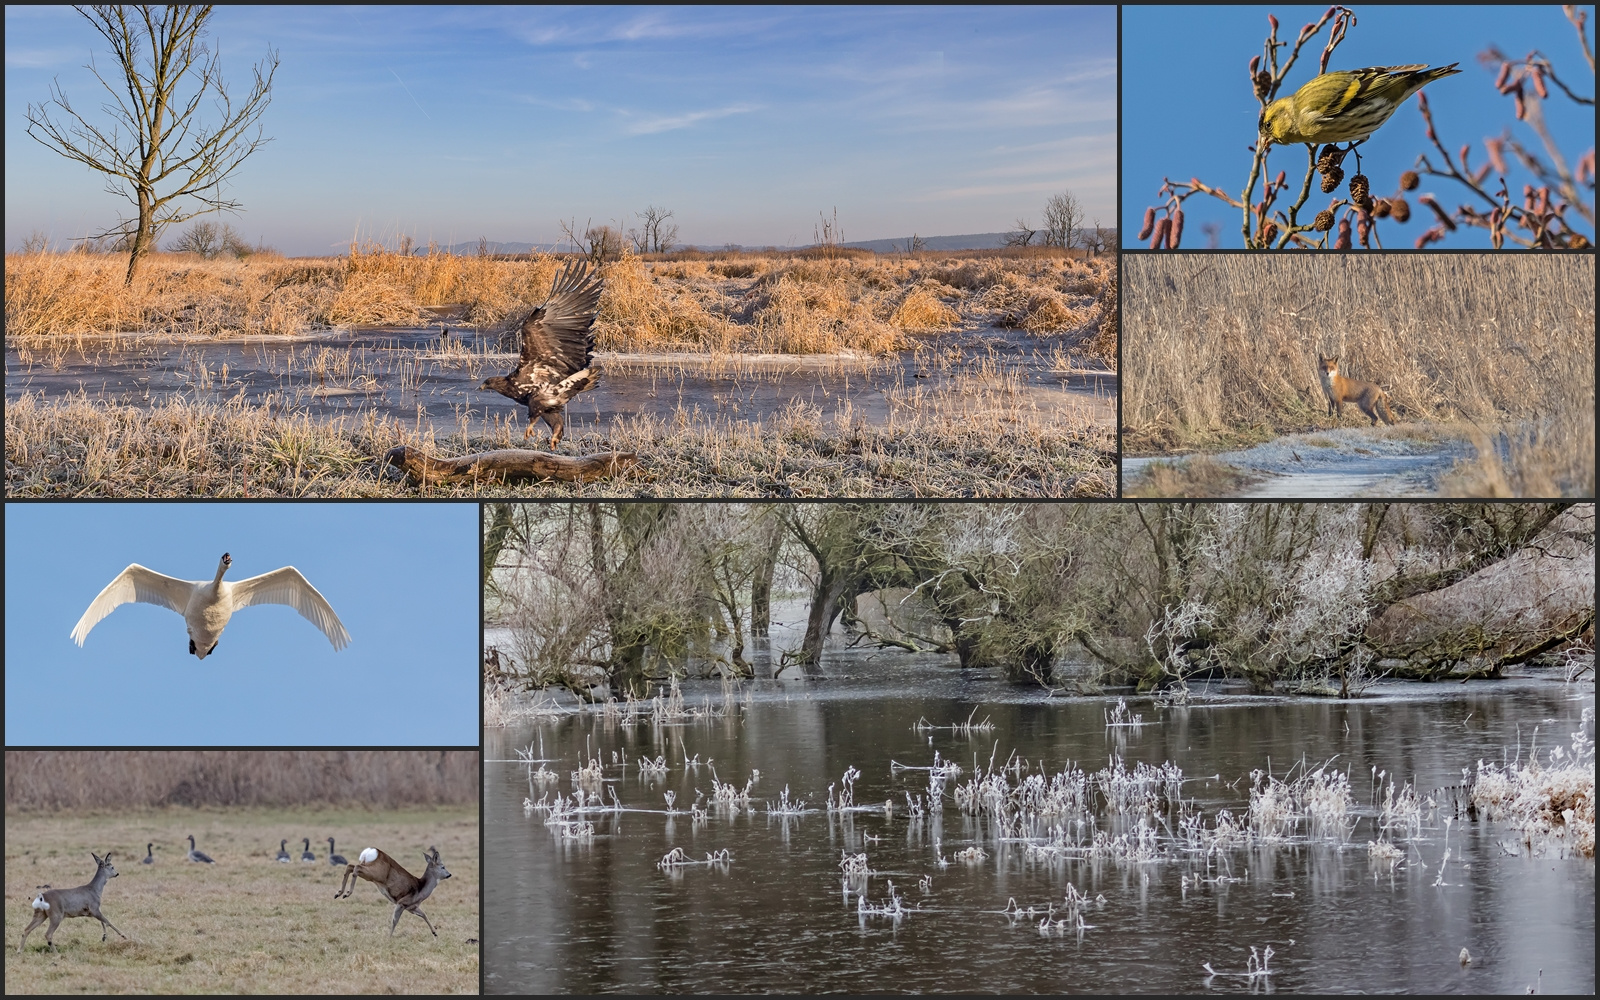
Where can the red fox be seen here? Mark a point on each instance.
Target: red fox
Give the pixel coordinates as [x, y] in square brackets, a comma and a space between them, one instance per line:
[1372, 400]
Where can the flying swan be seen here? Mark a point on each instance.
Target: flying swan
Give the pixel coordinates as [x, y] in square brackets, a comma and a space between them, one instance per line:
[206, 607]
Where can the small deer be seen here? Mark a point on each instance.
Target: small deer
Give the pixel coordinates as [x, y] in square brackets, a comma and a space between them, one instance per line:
[84, 901]
[398, 886]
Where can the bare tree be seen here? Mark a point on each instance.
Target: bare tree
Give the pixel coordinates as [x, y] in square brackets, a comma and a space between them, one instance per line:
[1062, 215]
[915, 244]
[1022, 235]
[1097, 240]
[599, 243]
[209, 240]
[656, 234]
[156, 151]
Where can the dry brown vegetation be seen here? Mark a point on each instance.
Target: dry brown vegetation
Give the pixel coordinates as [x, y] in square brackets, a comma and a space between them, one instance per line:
[764, 302]
[247, 924]
[1200, 476]
[1222, 351]
[984, 435]
[54, 780]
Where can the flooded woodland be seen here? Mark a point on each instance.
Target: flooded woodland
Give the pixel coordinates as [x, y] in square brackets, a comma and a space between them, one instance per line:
[1153, 747]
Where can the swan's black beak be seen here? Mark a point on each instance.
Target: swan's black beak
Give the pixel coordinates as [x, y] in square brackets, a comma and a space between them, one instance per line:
[227, 560]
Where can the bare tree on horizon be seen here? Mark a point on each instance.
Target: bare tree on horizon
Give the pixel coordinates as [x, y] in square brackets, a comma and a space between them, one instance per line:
[1062, 216]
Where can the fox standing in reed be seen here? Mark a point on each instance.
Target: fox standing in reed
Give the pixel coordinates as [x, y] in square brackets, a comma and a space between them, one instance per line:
[83, 901]
[1372, 400]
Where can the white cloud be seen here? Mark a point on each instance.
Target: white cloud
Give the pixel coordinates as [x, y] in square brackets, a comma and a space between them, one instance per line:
[670, 122]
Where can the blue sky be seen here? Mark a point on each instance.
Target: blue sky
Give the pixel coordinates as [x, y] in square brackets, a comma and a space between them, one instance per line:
[451, 123]
[401, 577]
[1188, 110]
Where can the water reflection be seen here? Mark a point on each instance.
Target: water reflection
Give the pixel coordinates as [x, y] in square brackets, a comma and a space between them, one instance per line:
[599, 915]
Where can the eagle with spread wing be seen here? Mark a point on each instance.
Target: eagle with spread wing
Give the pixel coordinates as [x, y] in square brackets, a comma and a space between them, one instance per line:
[557, 347]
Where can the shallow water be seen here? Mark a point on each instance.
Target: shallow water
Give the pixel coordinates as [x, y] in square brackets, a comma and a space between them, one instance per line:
[414, 376]
[599, 916]
[1347, 462]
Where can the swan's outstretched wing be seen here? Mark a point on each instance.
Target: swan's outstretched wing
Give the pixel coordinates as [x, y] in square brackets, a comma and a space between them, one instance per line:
[558, 335]
[135, 583]
[287, 586]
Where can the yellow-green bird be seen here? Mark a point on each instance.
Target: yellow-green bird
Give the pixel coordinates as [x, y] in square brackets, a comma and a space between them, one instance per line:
[1347, 105]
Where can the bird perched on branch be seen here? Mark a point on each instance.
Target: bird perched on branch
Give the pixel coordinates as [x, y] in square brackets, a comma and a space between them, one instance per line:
[1346, 105]
[557, 347]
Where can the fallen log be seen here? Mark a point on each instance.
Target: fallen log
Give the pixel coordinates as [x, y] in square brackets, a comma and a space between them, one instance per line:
[507, 464]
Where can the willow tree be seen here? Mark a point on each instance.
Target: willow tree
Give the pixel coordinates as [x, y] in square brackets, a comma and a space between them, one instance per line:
[156, 151]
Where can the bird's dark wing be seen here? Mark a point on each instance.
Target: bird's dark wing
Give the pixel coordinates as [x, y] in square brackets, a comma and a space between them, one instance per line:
[559, 334]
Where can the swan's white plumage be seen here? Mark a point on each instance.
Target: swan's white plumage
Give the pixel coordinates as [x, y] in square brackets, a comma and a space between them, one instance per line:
[287, 586]
[135, 584]
[207, 605]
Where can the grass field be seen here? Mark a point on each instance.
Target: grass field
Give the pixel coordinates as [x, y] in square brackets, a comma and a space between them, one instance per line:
[1221, 352]
[247, 924]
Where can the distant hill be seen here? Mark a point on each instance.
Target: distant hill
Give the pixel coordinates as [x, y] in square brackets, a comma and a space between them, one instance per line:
[971, 241]
[471, 249]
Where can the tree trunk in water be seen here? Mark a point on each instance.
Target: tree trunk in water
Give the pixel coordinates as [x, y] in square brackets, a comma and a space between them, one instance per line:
[627, 670]
[825, 605]
[1037, 664]
[498, 516]
[761, 589]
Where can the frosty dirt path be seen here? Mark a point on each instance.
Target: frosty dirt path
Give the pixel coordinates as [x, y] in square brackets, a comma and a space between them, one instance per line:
[1350, 462]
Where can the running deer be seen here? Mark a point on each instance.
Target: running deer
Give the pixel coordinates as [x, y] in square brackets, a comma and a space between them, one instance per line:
[398, 886]
[84, 901]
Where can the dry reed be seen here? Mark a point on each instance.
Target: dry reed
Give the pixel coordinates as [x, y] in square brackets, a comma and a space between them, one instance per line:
[55, 780]
[1222, 350]
[791, 303]
[983, 436]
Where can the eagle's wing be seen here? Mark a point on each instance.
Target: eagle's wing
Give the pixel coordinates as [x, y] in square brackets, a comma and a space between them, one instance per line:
[559, 334]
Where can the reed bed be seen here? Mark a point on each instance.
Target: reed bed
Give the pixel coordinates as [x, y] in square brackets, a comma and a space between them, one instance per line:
[798, 303]
[1222, 351]
[1119, 814]
[54, 780]
[980, 437]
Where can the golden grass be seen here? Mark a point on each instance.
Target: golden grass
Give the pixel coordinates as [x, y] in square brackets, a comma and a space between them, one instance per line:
[792, 303]
[247, 924]
[75, 780]
[1200, 476]
[986, 434]
[1221, 350]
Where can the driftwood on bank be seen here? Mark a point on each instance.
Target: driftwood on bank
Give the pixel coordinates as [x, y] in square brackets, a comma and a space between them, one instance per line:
[507, 464]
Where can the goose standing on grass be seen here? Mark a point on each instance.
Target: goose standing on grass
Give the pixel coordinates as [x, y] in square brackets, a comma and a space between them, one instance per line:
[149, 855]
[195, 855]
[306, 854]
[557, 348]
[206, 607]
[335, 859]
[283, 852]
